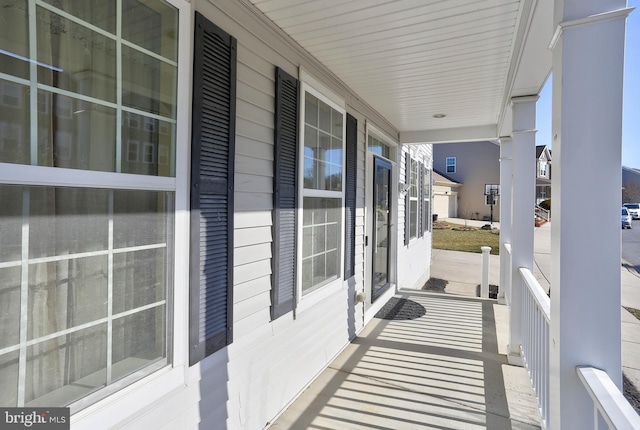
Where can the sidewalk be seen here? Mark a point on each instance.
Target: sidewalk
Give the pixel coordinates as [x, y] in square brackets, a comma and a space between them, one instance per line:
[463, 271]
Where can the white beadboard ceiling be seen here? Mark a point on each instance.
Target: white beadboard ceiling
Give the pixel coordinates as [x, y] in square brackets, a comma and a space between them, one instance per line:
[412, 59]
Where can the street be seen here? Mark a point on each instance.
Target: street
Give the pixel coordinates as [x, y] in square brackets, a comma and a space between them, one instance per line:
[631, 245]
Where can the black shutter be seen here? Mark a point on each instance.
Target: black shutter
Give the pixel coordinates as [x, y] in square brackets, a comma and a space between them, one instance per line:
[212, 170]
[407, 201]
[420, 202]
[350, 196]
[285, 195]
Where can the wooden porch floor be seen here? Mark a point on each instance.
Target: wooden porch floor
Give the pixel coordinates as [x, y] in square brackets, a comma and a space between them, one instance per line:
[444, 370]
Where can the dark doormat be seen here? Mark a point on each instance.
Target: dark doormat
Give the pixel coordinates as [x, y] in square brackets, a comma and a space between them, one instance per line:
[401, 309]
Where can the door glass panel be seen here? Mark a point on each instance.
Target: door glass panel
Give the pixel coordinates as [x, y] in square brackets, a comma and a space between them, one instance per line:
[382, 227]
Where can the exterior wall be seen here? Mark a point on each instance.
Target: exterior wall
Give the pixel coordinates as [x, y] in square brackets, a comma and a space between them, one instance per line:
[477, 164]
[414, 259]
[247, 384]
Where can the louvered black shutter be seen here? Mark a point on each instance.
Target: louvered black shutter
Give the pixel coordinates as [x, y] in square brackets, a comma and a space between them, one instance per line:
[212, 170]
[407, 200]
[350, 196]
[420, 202]
[285, 195]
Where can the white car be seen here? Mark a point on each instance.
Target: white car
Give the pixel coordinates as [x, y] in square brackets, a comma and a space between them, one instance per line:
[626, 218]
[634, 209]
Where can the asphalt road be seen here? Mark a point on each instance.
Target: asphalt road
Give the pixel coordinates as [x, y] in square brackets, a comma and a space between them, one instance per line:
[631, 245]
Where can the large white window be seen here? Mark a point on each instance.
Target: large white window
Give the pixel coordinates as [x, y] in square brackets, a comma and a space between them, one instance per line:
[322, 191]
[85, 252]
[413, 200]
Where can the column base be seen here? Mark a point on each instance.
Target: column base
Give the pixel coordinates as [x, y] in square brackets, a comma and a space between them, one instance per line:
[514, 358]
[502, 298]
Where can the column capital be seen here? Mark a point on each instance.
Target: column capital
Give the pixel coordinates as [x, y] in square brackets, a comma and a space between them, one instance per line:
[524, 99]
[588, 20]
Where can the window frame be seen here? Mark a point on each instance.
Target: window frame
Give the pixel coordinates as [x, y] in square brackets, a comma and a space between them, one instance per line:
[453, 164]
[427, 192]
[166, 374]
[306, 300]
[414, 168]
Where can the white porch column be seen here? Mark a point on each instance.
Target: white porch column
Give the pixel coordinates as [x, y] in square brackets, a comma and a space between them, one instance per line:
[523, 196]
[588, 58]
[506, 179]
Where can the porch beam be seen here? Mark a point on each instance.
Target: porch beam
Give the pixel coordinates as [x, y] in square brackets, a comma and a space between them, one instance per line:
[523, 195]
[506, 184]
[450, 135]
[588, 62]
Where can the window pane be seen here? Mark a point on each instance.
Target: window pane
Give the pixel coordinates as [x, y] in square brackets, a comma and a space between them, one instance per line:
[139, 279]
[74, 58]
[67, 221]
[322, 147]
[147, 146]
[138, 341]
[14, 39]
[10, 280]
[140, 218]
[321, 240]
[14, 122]
[311, 110]
[9, 379]
[69, 292]
[75, 134]
[101, 13]
[67, 367]
[148, 84]
[66, 294]
[413, 218]
[11, 225]
[151, 25]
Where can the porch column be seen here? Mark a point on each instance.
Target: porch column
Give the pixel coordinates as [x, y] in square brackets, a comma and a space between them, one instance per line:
[588, 59]
[506, 179]
[522, 209]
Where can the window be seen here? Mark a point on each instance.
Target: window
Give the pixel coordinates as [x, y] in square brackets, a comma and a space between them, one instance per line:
[379, 148]
[426, 204]
[451, 164]
[322, 192]
[85, 268]
[543, 168]
[413, 199]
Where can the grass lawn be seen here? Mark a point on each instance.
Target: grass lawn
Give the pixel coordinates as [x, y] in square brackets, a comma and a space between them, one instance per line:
[464, 240]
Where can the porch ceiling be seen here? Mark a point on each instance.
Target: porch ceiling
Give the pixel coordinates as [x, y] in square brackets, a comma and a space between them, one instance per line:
[413, 59]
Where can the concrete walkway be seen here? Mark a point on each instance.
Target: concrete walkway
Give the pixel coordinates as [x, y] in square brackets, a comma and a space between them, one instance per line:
[446, 369]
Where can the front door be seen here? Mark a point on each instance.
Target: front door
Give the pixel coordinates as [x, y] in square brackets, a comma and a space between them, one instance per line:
[381, 231]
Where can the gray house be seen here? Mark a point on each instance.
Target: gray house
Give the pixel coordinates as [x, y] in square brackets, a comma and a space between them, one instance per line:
[474, 165]
[630, 185]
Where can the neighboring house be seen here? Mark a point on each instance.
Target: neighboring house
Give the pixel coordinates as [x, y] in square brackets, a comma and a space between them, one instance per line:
[630, 185]
[543, 173]
[445, 195]
[474, 165]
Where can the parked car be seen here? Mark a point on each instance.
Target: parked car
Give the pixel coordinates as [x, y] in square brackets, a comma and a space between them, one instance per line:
[634, 209]
[626, 218]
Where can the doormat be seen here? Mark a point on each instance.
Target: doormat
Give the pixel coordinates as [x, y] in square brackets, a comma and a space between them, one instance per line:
[401, 309]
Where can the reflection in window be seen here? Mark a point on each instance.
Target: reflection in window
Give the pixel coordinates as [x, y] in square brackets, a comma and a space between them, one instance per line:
[78, 63]
[88, 322]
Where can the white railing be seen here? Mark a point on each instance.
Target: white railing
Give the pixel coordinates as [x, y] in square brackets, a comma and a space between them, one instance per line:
[610, 408]
[536, 316]
[543, 213]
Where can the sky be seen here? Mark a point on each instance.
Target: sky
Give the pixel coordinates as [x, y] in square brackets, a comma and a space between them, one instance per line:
[631, 101]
